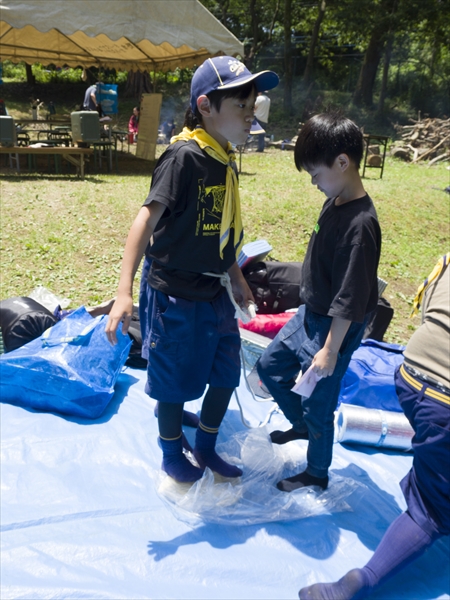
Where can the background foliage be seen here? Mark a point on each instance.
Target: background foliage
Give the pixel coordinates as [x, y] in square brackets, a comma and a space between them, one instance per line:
[383, 61]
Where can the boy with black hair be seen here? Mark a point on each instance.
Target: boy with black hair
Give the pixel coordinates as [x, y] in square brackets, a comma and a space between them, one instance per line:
[423, 387]
[192, 214]
[339, 291]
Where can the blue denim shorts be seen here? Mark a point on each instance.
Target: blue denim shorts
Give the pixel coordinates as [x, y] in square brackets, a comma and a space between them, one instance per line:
[191, 345]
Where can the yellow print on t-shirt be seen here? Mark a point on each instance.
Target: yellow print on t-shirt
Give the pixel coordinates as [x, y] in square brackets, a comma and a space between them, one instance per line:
[209, 208]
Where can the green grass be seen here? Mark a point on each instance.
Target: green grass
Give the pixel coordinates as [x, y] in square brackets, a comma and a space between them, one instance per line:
[68, 235]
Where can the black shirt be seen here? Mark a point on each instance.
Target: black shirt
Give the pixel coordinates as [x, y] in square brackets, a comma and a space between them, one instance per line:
[191, 184]
[339, 277]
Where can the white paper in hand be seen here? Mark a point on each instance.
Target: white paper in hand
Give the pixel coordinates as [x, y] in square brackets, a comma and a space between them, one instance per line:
[307, 382]
[247, 313]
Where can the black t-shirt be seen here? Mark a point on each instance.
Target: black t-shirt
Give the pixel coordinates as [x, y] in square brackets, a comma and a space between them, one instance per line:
[191, 184]
[339, 276]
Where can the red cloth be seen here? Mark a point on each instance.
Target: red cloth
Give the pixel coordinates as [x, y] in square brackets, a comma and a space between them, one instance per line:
[268, 325]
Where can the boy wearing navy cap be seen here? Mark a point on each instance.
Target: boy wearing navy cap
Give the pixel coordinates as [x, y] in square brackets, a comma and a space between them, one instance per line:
[192, 215]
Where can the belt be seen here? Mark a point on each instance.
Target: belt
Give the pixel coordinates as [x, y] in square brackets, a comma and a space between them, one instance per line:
[419, 385]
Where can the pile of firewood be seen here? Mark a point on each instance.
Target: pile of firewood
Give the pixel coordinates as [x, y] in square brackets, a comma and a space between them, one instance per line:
[427, 140]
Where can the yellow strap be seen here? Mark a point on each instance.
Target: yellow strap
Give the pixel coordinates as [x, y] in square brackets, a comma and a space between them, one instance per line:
[441, 264]
[419, 386]
[207, 429]
[410, 379]
[231, 211]
[438, 396]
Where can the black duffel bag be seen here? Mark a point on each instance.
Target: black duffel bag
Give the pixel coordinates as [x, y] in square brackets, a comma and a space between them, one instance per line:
[275, 285]
[22, 320]
[380, 320]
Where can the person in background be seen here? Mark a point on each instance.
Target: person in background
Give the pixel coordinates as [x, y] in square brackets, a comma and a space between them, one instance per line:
[339, 289]
[90, 99]
[262, 108]
[192, 217]
[133, 123]
[168, 129]
[51, 109]
[3, 109]
[423, 389]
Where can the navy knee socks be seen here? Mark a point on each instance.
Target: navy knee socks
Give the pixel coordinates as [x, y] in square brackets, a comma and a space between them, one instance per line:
[402, 543]
[190, 419]
[170, 420]
[176, 464]
[206, 456]
[351, 587]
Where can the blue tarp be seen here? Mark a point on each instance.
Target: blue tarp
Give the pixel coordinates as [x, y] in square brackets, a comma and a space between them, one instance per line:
[81, 515]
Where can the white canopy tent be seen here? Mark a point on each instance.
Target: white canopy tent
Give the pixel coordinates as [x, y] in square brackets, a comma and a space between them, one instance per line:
[121, 34]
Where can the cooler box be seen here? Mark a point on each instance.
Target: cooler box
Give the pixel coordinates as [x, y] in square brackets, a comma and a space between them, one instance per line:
[7, 131]
[85, 126]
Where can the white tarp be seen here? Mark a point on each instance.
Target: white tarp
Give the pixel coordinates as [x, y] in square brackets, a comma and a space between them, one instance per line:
[121, 34]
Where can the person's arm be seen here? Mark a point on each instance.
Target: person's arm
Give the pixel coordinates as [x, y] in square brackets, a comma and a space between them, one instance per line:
[324, 362]
[138, 237]
[241, 291]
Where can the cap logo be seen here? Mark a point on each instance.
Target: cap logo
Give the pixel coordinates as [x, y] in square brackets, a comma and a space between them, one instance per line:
[236, 67]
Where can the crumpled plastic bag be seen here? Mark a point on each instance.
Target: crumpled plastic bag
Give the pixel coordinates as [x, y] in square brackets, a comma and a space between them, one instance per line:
[48, 299]
[254, 497]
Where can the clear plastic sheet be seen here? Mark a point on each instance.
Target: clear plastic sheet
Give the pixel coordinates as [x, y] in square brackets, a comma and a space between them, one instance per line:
[254, 497]
[48, 298]
[251, 349]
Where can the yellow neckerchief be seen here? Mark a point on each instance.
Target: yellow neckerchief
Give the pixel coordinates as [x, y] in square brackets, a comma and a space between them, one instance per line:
[441, 264]
[231, 211]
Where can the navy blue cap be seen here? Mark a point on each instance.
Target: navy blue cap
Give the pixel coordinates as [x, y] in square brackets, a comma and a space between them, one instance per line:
[225, 72]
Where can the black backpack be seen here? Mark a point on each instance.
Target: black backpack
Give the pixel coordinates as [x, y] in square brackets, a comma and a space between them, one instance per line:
[275, 285]
[135, 359]
[380, 320]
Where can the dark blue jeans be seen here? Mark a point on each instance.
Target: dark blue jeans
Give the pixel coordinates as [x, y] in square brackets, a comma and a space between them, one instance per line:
[293, 350]
[261, 137]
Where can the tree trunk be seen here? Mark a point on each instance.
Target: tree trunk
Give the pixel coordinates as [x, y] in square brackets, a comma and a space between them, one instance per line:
[138, 83]
[254, 20]
[363, 95]
[31, 79]
[287, 101]
[384, 28]
[314, 38]
[384, 80]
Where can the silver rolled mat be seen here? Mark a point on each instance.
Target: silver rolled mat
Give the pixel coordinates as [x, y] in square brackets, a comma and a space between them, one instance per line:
[372, 427]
